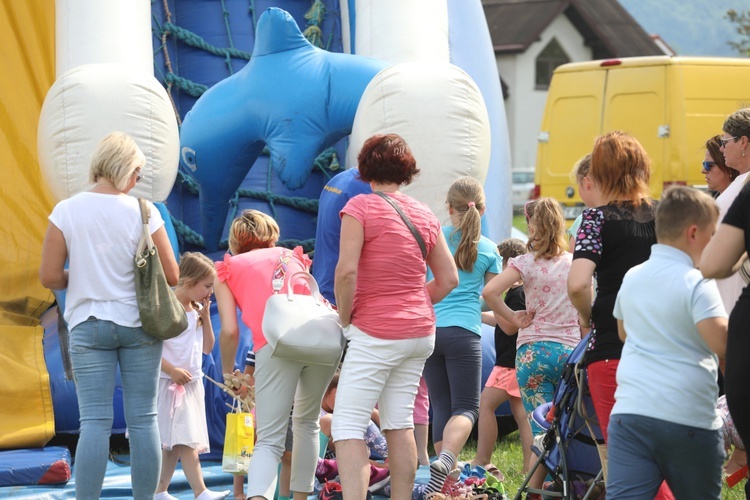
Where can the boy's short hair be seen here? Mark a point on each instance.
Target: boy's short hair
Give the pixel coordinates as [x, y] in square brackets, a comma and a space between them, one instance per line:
[680, 207]
[511, 247]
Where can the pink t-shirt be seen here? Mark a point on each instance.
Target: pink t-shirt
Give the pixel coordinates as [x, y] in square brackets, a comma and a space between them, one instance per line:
[546, 285]
[391, 301]
[249, 277]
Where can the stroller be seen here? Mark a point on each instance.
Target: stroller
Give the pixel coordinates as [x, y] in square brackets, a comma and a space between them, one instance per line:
[569, 448]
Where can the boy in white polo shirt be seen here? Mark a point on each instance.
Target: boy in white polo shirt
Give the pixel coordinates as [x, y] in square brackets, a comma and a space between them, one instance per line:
[664, 424]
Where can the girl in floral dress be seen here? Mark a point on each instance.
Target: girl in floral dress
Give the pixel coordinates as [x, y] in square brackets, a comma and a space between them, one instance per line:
[548, 328]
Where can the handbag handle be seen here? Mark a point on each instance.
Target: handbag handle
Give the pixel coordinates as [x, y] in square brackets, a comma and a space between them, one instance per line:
[314, 290]
[406, 220]
[146, 244]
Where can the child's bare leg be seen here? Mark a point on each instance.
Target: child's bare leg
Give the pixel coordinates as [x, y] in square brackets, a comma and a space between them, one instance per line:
[537, 479]
[191, 466]
[490, 399]
[737, 460]
[421, 436]
[169, 460]
[238, 485]
[524, 431]
[325, 428]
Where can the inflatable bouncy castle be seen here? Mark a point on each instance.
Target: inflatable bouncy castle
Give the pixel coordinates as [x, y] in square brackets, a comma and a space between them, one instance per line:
[236, 104]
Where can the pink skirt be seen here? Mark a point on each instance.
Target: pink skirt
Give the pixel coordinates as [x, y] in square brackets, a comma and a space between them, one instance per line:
[504, 379]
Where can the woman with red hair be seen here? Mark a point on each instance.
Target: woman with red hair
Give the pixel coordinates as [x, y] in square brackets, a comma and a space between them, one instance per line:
[386, 311]
[613, 237]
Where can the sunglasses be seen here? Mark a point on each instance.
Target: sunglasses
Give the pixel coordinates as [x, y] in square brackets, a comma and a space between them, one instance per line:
[707, 166]
[138, 176]
[725, 140]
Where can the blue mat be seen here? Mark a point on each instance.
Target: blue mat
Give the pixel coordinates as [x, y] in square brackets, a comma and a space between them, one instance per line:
[117, 483]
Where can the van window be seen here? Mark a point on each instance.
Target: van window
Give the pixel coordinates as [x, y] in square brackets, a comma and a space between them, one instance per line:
[523, 177]
[548, 59]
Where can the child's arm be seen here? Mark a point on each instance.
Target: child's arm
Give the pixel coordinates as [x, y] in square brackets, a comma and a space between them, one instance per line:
[488, 318]
[208, 330]
[180, 376]
[250, 370]
[493, 295]
[375, 416]
[621, 330]
[492, 319]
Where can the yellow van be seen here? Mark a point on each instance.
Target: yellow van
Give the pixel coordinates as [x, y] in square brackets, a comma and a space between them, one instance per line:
[672, 105]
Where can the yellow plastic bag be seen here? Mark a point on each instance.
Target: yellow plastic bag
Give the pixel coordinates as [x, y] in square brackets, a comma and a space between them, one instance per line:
[239, 440]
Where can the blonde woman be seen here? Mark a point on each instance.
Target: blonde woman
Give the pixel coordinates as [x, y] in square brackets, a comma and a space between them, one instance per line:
[244, 281]
[98, 232]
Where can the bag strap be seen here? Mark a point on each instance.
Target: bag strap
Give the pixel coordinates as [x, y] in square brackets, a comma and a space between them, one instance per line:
[406, 220]
[146, 243]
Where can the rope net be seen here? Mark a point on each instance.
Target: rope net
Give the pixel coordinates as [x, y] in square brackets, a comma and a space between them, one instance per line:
[171, 34]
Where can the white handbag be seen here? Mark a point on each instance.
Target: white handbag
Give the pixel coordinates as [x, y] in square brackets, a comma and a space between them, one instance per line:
[302, 328]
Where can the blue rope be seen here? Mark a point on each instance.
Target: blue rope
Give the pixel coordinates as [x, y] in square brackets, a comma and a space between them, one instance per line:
[190, 38]
[314, 18]
[189, 86]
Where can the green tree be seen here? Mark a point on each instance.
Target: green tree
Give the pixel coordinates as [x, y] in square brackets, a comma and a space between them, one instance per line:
[741, 21]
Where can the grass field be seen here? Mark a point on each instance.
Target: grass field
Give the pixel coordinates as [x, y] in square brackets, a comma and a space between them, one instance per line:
[519, 222]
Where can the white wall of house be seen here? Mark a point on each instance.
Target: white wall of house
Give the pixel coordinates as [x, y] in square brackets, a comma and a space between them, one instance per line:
[525, 106]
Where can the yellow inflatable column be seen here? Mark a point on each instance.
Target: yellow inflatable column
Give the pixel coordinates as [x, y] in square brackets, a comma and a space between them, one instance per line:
[27, 38]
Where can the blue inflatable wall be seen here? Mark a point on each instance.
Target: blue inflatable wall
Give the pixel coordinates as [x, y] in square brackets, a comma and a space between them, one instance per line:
[198, 44]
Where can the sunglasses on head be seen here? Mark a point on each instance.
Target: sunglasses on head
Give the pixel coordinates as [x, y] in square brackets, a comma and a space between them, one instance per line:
[526, 210]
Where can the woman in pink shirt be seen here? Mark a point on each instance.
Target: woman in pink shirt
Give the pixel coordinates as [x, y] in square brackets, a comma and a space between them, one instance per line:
[386, 311]
[244, 280]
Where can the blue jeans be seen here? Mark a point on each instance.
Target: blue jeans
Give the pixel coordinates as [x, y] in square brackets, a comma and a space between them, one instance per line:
[97, 347]
[644, 451]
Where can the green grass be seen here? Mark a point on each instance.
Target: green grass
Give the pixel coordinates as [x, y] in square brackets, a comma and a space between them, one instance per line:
[519, 222]
[508, 458]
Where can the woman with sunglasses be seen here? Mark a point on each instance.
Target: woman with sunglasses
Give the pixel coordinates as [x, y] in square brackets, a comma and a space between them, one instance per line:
[718, 175]
[722, 258]
[735, 147]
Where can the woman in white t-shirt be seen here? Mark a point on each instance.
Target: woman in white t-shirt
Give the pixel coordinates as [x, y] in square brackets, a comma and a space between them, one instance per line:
[98, 232]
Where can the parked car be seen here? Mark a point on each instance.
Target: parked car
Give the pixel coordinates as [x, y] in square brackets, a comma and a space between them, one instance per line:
[523, 188]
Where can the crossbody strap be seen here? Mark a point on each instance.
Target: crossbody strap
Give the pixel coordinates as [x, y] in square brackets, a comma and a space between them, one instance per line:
[406, 220]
